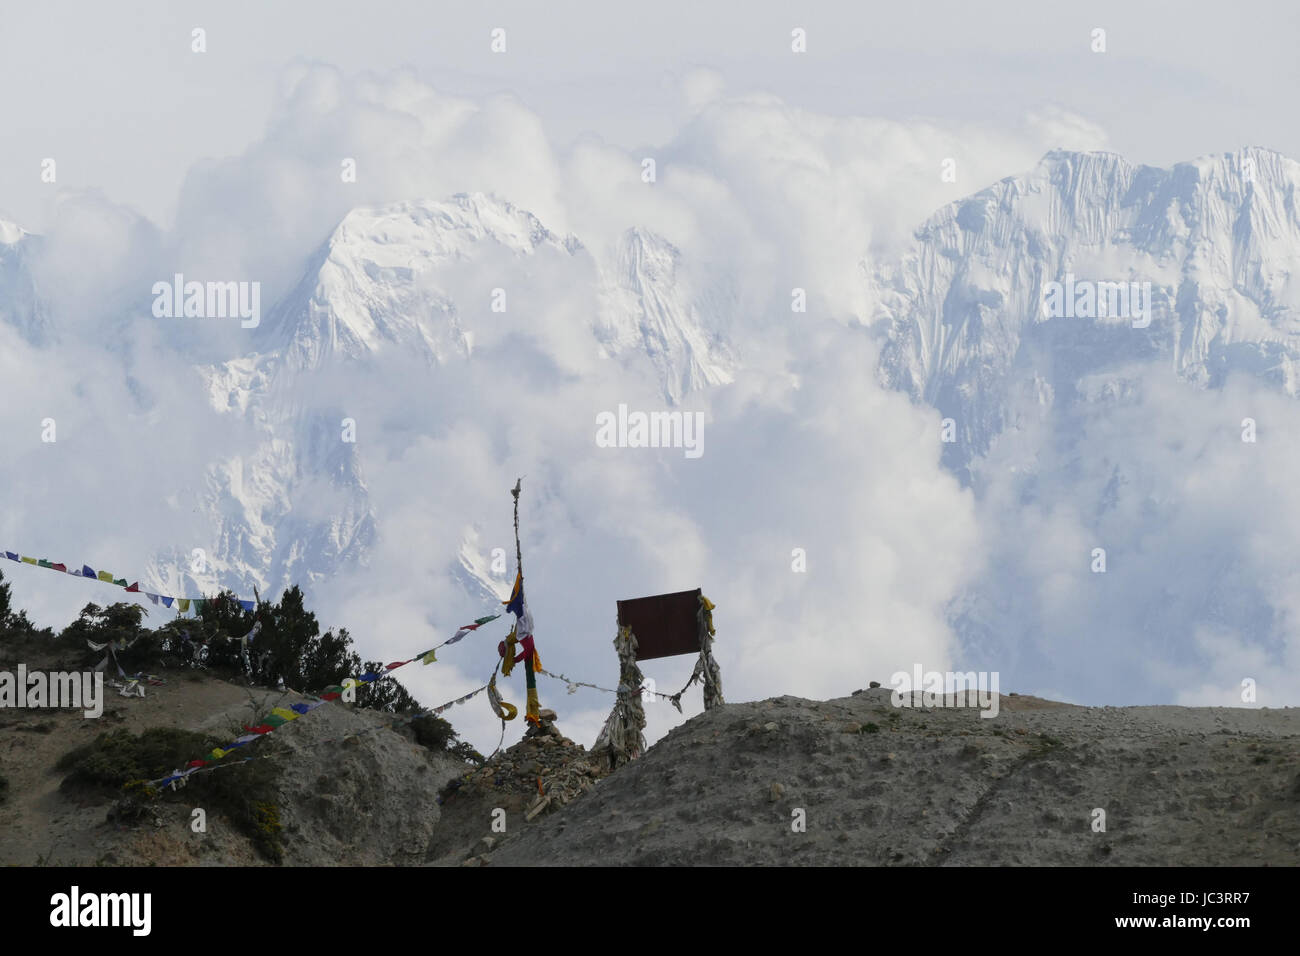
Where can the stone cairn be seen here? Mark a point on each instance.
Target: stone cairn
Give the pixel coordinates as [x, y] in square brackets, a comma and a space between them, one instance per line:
[542, 772]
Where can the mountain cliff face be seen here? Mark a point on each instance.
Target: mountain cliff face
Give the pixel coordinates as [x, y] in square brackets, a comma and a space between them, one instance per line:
[1218, 241]
[647, 310]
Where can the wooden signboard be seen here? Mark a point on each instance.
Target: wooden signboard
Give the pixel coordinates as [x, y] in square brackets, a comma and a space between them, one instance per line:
[665, 625]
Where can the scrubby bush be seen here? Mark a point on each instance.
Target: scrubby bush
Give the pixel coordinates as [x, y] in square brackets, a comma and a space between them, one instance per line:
[118, 757]
[267, 830]
[120, 624]
[120, 762]
[433, 732]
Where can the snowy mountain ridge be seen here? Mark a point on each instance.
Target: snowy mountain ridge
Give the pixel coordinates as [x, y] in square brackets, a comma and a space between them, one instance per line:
[961, 313]
[1218, 240]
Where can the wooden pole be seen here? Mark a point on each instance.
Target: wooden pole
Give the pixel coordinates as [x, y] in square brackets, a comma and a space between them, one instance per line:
[519, 552]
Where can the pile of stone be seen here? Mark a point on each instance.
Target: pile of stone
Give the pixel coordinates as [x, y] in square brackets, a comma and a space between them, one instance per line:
[542, 772]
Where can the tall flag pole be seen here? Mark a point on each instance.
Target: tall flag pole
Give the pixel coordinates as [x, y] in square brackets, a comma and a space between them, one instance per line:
[523, 631]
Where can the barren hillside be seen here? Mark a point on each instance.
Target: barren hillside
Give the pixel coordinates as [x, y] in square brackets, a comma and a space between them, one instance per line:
[885, 785]
[870, 783]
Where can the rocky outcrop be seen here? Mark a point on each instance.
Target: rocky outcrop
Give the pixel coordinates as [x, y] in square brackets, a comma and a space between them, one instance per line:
[483, 808]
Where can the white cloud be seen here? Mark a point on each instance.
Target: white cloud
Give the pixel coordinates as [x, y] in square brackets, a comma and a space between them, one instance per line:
[1195, 523]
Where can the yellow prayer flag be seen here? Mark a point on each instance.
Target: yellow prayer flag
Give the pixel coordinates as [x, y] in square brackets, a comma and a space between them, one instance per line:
[508, 664]
[708, 607]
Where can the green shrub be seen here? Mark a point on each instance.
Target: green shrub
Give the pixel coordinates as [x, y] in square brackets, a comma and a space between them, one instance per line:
[433, 732]
[1045, 745]
[267, 830]
[115, 758]
[138, 804]
[386, 695]
[467, 753]
[120, 762]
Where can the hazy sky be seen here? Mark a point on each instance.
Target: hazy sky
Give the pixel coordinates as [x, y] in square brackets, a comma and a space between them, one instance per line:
[115, 95]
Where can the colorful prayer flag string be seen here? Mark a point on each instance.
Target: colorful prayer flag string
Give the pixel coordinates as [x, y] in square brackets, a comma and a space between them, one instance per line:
[207, 766]
[183, 604]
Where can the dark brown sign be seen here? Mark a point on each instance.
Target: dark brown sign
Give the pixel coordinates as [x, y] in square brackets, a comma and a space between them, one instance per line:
[665, 625]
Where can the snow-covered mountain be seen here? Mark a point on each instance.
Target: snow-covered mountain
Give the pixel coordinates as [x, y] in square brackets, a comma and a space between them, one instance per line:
[416, 279]
[379, 281]
[1218, 240]
[647, 310]
[20, 303]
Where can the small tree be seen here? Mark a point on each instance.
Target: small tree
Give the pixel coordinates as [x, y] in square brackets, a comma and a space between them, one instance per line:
[11, 621]
[328, 660]
[119, 624]
[4, 601]
[386, 695]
